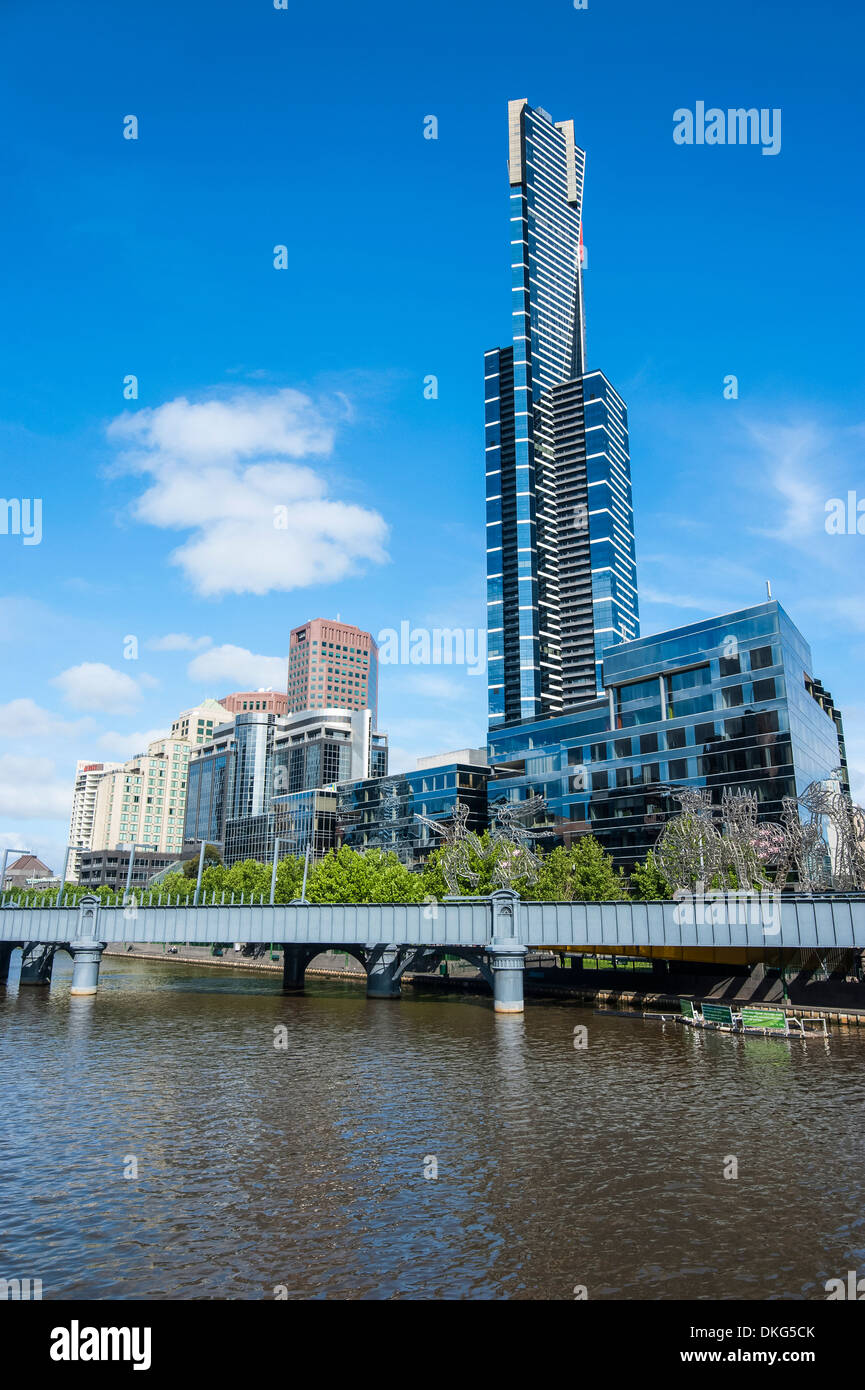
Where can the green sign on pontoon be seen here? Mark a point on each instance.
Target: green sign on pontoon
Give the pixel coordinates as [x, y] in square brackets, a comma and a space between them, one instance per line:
[718, 1013]
[770, 1020]
[687, 1008]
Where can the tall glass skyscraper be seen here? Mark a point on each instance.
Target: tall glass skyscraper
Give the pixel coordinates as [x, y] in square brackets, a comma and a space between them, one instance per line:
[561, 571]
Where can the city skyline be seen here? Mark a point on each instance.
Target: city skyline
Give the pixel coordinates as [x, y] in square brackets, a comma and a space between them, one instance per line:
[729, 491]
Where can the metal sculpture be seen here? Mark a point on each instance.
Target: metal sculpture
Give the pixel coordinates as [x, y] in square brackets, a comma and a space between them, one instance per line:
[511, 840]
[391, 835]
[458, 844]
[691, 853]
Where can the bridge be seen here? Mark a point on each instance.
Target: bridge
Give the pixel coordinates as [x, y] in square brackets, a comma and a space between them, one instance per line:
[494, 933]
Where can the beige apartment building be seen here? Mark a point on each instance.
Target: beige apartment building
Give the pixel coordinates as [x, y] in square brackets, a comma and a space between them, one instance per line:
[144, 799]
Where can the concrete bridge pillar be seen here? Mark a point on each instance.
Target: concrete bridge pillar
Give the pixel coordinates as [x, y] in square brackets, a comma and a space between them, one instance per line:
[507, 954]
[6, 949]
[384, 967]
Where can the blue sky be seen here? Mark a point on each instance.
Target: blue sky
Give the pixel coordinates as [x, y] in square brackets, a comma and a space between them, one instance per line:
[260, 127]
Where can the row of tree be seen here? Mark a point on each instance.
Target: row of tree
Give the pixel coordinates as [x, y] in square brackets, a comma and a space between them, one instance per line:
[584, 872]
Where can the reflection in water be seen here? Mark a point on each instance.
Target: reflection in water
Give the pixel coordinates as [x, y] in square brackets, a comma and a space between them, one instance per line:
[305, 1167]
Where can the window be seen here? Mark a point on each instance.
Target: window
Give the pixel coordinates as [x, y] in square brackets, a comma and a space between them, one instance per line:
[676, 738]
[623, 748]
[764, 690]
[761, 657]
[648, 743]
[704, 733]
[600, 781]
[651, 772]
[730, 665]
[678, 769]
[732, 696]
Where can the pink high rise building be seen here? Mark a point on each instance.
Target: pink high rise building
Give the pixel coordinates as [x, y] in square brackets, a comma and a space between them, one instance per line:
[332, 665]
[274, 701]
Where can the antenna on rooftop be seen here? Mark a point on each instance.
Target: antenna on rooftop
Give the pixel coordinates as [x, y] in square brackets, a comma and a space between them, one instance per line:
[768, 588]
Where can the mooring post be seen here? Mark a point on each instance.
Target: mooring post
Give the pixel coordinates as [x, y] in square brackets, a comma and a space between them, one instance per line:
[383, 973]
[506, 953]
[85, 949]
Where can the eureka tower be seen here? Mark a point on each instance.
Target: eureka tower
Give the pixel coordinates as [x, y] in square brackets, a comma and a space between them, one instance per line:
[561, 570]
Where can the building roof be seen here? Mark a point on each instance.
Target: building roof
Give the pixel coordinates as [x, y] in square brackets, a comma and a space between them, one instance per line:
[28, 866]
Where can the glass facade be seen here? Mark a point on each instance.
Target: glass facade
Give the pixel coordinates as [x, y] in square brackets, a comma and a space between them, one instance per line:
[379, 813]
[238, 782]
[306, 818]
[205, 799]
[729, 702]
[560, 540]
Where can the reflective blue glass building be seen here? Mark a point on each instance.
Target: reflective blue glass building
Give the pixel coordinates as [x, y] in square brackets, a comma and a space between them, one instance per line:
[381, 813]
[727, 702]
[560, 537]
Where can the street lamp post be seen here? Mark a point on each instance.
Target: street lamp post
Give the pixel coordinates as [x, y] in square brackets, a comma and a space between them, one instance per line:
[200, 872]
[6, 854]
[135, 844]
[305, 872]
[273, 870]
[62, 889]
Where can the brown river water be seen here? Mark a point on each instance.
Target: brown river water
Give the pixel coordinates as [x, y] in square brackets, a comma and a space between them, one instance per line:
[306, 1170]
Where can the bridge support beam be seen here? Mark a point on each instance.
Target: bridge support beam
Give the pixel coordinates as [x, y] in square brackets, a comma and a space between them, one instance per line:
[6, 949]
[384, 967]
[86, 959]
[36, 965]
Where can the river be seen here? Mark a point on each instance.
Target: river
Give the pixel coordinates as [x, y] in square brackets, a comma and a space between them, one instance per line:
[303, 1171]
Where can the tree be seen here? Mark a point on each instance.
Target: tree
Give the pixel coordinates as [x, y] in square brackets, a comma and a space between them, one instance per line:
[648, 883]
[345, 876]
[582, 873]
[433, 880]
[211, 857]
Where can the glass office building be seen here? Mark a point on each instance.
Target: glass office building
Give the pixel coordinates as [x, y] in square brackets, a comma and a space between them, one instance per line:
[236, 780]
[380, 813]
[560, 537]
[730, 702]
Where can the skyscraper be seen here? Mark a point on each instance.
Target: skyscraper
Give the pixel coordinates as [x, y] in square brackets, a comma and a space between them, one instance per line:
[332, 665]
[561, 571]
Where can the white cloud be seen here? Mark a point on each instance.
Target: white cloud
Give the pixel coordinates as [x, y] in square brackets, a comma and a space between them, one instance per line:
[118, 747]
[239, 669]
[177, 642]
[93, 685]
[31, 790]
[24, 719]
[257, 526]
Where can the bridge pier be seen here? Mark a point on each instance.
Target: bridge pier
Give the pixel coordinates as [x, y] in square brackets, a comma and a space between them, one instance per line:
[6, 949]
[506, 954]
[86, 959]
[508, 967]
[384, 967]
[295, 959]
